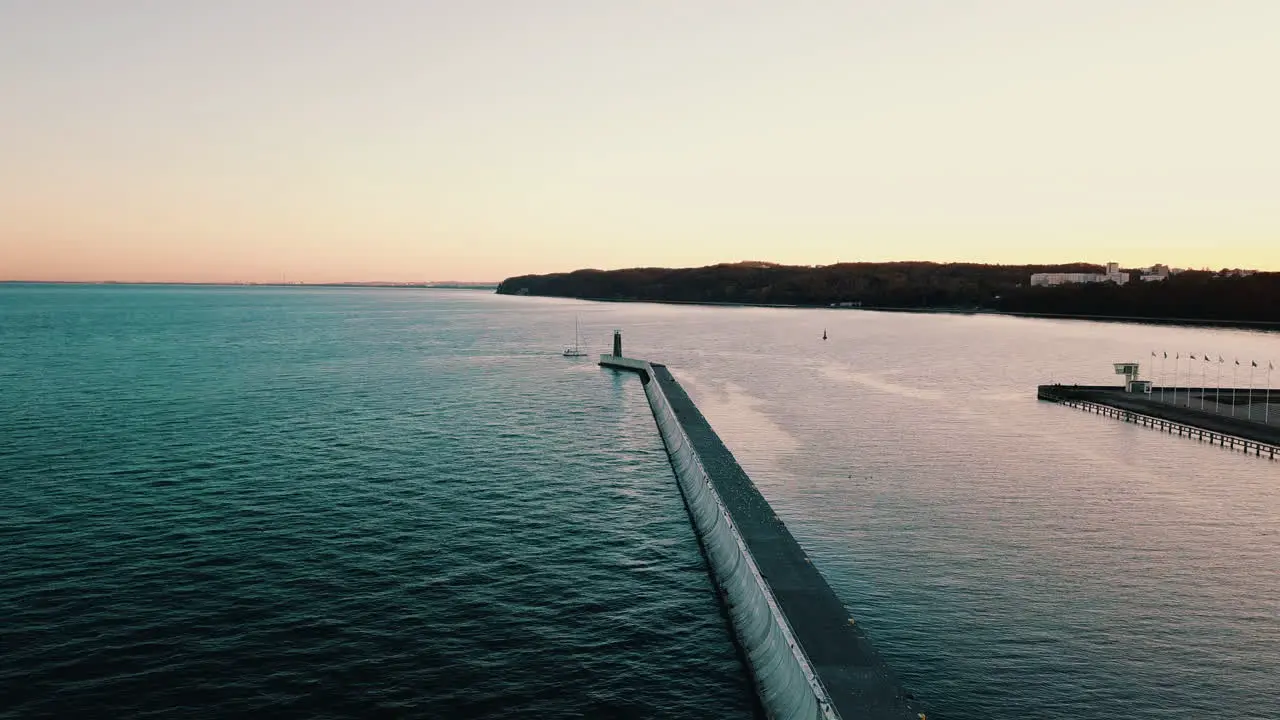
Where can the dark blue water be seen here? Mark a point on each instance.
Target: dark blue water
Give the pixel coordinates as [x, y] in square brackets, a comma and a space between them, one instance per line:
[222, 502]
[303, 502]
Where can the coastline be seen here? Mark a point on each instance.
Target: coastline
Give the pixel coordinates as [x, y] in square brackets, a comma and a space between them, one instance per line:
[388, 285]
[1132, 320]
[1259, 325]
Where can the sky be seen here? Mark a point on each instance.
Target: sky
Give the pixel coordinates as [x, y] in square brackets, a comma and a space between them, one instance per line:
[409, 140]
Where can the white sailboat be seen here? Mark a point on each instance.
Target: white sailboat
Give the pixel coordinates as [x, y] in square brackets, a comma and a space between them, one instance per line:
[576, 350]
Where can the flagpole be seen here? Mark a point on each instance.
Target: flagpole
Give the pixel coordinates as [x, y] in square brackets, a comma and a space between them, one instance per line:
[1253, 364]
[1176, 357]
[1203, 390]
[1174, 398]
[1189, 380]
[1235, 380]
[1217, 390]
[1162, 376]
[1266, 409]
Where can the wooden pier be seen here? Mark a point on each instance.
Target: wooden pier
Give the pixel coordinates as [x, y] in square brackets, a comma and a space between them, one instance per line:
[1115, 403]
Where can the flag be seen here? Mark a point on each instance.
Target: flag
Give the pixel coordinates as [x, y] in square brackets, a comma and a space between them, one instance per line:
[1177, 356]
[1237, 361]
[1153, 353]
[1193, 356]
[1206, 358]
[1255, 363]
[1220, 360]
[1166, 356]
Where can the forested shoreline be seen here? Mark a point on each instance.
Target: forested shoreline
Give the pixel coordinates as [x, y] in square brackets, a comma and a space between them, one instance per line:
[1206, 296]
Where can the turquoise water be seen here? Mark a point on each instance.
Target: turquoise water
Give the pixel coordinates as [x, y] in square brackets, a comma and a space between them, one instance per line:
[336, 502]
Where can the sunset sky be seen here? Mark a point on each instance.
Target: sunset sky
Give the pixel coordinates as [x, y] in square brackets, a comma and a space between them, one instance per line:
[335, 140]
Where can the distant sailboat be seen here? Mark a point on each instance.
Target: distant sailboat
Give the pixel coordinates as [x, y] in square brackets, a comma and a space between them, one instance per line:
[576, 350]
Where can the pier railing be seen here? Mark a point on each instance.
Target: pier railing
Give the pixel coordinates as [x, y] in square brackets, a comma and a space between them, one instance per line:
[1065, 395]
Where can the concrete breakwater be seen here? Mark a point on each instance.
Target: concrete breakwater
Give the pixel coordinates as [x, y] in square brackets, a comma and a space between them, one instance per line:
[806, 656]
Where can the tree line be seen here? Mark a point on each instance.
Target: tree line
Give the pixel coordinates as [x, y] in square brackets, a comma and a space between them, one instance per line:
[1192, 295]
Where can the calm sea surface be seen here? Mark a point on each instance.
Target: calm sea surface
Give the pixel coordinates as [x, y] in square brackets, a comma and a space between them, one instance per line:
[304, 502]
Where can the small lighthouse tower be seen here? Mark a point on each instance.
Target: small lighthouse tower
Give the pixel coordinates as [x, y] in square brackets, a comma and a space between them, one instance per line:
[617, 343]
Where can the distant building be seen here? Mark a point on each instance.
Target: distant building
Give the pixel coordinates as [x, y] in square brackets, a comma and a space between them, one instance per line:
[1155, 273]
[1112, 274]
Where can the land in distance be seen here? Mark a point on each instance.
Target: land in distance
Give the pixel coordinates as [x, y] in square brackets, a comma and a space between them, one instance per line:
[1193, 296]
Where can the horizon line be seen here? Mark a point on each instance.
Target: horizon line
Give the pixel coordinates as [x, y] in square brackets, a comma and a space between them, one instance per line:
[496, 283]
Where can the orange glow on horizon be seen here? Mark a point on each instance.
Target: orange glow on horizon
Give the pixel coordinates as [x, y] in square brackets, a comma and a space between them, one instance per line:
[409, 142]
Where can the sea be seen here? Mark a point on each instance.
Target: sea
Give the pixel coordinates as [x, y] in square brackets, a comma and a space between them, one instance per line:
[390, 502]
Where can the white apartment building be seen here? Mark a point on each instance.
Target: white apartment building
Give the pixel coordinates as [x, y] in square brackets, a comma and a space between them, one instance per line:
[1155, 273]
[1112, 274]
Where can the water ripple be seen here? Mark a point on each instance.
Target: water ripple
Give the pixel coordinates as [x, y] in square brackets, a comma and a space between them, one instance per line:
[324, 519]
